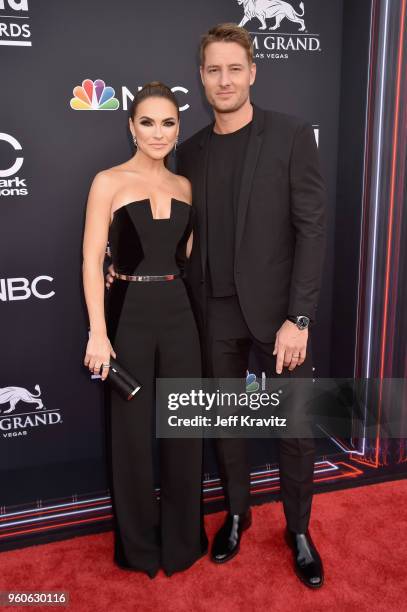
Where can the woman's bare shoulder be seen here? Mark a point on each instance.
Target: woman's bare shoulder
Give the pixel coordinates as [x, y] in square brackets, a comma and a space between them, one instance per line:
[114, 172]
[185, 187]
[109, 178]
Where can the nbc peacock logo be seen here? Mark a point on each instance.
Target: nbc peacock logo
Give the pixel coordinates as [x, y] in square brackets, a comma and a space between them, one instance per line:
[94, 95]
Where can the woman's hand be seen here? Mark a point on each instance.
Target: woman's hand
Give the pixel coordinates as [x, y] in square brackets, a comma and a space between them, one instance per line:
[111, 273]
[98, 352]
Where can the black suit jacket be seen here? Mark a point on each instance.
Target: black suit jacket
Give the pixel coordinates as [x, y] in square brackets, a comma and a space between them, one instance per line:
[280, 227]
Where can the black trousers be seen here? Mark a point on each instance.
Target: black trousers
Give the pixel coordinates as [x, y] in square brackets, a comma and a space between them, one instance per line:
[228, 343]
[154, 334]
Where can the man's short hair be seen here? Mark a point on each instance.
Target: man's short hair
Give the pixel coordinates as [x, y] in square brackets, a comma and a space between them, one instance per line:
[227, 32]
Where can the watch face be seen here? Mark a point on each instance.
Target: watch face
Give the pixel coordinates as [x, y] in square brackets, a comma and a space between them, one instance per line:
[303, 321]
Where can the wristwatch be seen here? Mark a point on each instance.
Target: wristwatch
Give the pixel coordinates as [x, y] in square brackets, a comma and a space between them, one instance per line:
[301, 321]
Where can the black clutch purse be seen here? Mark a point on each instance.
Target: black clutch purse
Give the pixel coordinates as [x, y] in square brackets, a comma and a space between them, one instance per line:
[122, 381]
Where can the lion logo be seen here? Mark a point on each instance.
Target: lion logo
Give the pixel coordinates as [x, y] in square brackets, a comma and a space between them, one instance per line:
[267, 9]
[12, 395]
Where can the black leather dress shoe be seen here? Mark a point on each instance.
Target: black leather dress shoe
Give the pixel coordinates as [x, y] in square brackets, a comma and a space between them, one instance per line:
[307, 562]
[227, 541]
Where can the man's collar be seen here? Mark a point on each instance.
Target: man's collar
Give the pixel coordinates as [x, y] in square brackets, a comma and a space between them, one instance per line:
[258, 125]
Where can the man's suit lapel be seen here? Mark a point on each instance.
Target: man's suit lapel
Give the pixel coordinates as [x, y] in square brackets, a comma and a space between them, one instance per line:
[250, 162]
[201, 195]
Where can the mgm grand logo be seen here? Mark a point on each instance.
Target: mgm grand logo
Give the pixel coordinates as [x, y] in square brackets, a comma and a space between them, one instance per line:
[270, 15]
[19, 424]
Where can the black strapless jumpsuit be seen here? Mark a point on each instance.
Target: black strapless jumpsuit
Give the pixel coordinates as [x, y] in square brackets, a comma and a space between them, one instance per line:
[153, 332]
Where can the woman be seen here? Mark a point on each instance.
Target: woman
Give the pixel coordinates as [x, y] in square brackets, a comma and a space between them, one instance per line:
[144, 210]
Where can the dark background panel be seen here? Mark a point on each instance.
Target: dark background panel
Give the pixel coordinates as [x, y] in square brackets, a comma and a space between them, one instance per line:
[63, 149]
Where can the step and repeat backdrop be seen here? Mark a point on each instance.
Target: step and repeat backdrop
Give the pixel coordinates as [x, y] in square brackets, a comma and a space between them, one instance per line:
[69, 71]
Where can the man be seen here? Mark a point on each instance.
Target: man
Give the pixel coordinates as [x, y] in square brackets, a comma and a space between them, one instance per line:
[255, 268]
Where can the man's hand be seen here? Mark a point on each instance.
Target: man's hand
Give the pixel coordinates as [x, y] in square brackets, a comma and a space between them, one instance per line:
[110, 276]
[290, 346]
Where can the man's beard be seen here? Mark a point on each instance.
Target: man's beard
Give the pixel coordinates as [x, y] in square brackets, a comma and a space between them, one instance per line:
[231, 109]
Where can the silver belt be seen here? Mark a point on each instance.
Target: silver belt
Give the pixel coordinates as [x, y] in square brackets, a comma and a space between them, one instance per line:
[147, 278]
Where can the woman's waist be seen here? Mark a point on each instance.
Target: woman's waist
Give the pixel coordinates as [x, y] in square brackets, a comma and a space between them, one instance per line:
[148, 278]
[161, 270]
[145, 300]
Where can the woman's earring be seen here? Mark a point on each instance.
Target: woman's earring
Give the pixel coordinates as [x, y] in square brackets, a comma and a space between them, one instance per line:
[135, 141]
[176, 142]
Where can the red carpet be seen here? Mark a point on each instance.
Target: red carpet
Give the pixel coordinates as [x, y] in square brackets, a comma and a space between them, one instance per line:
[361, 534]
